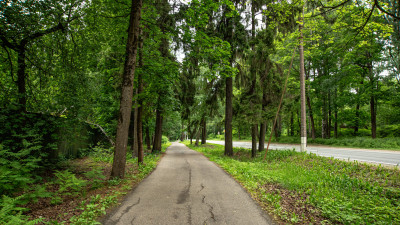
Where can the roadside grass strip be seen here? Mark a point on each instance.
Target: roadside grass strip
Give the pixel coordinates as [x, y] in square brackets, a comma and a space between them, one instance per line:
[302, 188]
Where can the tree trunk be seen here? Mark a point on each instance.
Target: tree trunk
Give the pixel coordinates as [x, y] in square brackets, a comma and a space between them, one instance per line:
[140, 104]
[357, 119]
[158, 133]
[204, 132]
[254, 140]
[328, 129]
[228, 117]
[261, 142]
[197, 136]
[21, 79]
[148, 137]
[239, 132]
[134, 146]
[336, 116]
[118, 168]
[291, 124]
[182, 133]
[277, 128]
[373, 116]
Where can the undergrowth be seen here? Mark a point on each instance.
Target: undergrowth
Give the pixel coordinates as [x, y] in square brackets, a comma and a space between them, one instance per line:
[72, 183]
[302, 188]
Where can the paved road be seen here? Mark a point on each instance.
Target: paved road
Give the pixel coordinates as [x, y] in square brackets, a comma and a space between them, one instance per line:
[384, 157]
[186, 188]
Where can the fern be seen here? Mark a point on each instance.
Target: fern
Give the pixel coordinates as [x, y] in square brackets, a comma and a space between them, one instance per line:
[11, 214]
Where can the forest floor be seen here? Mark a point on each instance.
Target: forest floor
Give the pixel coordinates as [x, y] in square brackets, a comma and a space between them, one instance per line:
[80, 190]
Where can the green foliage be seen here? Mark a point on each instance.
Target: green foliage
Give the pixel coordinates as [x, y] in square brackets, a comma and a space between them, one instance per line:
[164, 139]
[16, 169]
[94, 208]
[96, 177]
[11, 214]
[69, 184]
[354, 142]
[344, 192]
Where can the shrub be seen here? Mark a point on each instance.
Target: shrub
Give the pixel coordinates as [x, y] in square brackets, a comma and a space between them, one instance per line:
[11, 214]
[164, 139]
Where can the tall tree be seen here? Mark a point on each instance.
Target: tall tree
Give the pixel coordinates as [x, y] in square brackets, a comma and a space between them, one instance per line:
[118, 168]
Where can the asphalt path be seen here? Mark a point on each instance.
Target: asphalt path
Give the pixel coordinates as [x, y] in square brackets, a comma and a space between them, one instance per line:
[384, 157]
[186, 188]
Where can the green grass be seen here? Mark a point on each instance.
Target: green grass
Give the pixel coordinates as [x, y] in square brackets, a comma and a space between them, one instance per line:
[324, 189]
[388, 143]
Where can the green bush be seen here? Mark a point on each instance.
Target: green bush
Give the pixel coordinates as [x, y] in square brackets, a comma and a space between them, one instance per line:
[389, 131]
[11, 214]
[164, 139]
[16, 169]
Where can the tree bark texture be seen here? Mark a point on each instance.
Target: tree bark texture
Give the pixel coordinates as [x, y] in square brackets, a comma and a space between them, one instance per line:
[148, 142]
[261, 142]
[21, 78]
[204, 132]
[140, 104]
[118, 168]
[135, 141]
[158, 132]
[254, 140]
[228, 117]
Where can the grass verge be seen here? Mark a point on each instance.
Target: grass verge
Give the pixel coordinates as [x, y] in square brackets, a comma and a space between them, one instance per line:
[79, 192]
[301, 188]
[387, 143]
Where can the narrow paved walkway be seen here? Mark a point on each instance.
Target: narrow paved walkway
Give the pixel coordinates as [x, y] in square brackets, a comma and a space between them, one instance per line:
[186, 188]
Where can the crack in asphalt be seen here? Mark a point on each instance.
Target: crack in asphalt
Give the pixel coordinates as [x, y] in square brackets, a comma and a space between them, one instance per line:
[210, 207]
[133, 220]
[189, 214]
[184, 195]
[202, 187]
[126, 211]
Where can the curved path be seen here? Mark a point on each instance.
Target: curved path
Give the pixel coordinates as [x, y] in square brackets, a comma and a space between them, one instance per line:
[384, 157]
[186, 188]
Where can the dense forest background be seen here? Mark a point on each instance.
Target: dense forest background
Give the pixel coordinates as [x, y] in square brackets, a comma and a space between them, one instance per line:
[62, 64]
[201, 69]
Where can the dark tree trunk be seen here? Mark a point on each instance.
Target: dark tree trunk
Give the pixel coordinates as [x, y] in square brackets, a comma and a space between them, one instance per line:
[118, 168]
[197, 136]
[277, 128]
[291, 124]
[254, 140]
[148, 137]
[204, 132]
[310, 112]
[21, 79]
[140, 105]
[336, 116]
[263, 127]
[158, 132]
[190, 132]
[228, 117]
[373, 116]
[357, 119]
[239, 132]
[328, 129]
[324, 118]
[182, 133]
[134, 146]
